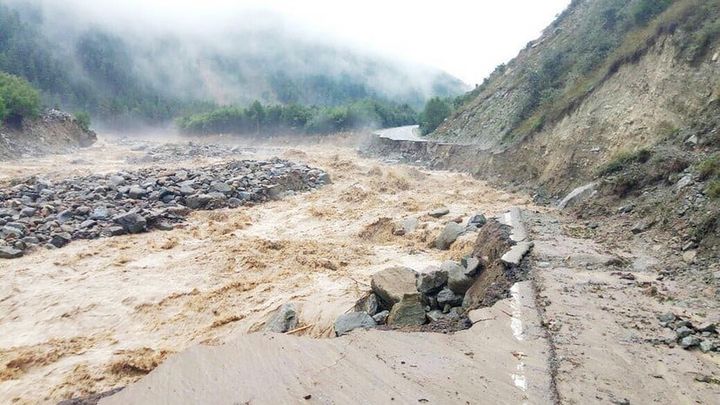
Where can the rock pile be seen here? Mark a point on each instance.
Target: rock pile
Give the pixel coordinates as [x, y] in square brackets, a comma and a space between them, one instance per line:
[402, 297]
[704, 337]
[175, 152]
[36, 212]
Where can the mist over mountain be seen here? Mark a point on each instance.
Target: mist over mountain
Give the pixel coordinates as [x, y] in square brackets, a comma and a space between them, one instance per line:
[121, 67]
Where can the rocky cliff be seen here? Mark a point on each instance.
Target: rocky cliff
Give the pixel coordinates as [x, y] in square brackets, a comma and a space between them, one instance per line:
[54, 132]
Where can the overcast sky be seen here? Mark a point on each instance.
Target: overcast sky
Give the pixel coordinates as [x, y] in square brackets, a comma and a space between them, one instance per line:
[466, 38]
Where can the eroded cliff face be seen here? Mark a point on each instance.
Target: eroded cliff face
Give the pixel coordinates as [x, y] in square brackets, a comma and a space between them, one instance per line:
[53, 132]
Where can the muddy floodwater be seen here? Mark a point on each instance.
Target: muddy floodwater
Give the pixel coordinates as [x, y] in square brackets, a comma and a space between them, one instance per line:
[102, 313]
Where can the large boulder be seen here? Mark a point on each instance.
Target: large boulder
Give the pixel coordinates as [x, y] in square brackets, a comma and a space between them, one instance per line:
[131, 222]
[354, 320]
[458, 281]
[390, 285]
[449, 235]
[431, 281]
[408, 312]
[578, 195]
[7, 252]
[285, 319]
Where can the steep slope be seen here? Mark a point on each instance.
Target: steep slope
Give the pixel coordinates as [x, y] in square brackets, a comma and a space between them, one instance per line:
[127, 72]
[607, 73]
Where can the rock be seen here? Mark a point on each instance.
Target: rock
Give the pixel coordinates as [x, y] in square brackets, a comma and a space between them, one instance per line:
[692, 141]
[285, 319]
[440, 212]
[477, 221]
[641, 227]
[689, 342]
[60, 239]
[381, 317]
[220, 187]
[707, 327]
[7, 252]
[408, 312]
[578, 195]
[458, 282]
[684, 182]
[198, 201]
[472, 266]
[137, 192]
[406, 226]
[392, 284]
[116, 181]
[27, 212]
[435, 315]
[447, 297]
[431, 281]
[666, 318]
[346, 323]
[683, 331]
[11, 230]
[100, 213]
[689, 256]
[449, 235]
[64, 216]
[116, 231]
[368, 304]
[131, 222]
[706, 346]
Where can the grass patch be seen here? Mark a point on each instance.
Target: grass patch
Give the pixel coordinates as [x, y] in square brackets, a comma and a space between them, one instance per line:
[622, 160]
[713, 189]
[709, 167]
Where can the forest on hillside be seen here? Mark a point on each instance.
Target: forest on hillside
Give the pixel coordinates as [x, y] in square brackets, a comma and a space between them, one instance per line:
[125, 77]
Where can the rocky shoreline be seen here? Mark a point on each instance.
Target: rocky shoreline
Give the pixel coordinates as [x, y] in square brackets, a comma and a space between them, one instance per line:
[35, 212]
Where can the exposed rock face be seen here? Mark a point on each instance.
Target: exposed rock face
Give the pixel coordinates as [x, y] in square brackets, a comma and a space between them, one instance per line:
[392, 284]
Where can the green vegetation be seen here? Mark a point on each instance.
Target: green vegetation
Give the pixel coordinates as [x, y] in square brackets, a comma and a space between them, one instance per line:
[294, 118]
[19, 100]
[129, 79]
[713, 189]
[709, 167]
[622, 160]
[435, 112]
[83, 120]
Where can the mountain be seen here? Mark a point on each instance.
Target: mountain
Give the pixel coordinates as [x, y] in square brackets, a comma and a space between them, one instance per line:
[122, 73]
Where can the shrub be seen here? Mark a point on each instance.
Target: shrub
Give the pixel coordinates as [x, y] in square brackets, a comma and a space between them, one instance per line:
[83, 120]
[713, 189]
[646, 10]
[709, 167]
[622, 160]
[21, 99]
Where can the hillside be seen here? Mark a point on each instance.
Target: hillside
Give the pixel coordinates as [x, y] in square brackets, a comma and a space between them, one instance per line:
[605, 77]
[121, 74]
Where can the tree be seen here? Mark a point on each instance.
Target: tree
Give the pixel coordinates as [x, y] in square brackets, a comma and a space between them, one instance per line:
[3, 110]
[21, 99]
[435, 112]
